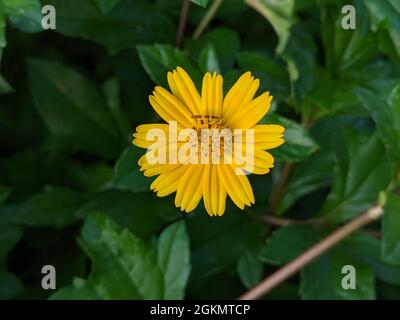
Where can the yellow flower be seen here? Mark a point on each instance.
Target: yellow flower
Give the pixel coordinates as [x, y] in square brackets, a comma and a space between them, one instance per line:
[216, 177]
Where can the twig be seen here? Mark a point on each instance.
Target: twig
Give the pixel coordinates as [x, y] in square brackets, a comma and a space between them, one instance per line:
[182, 22]
[304, 259]
[258, 7]
[277, 196]
[283, 222]
[207, 18]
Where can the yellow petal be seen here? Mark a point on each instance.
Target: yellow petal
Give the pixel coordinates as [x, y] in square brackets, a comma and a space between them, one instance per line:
[151, 169]
[261, 162]
[214, 193]
[192, 198]
[168, 182]
[141, 133]
[158, 169]
[141, 139]
[173, 107]
[251, 113]
[189, 194]
[240, 95]
[206, 186]
[212, 94]
[165, 111]
[184, 89]
[239, 189]
[266, 136]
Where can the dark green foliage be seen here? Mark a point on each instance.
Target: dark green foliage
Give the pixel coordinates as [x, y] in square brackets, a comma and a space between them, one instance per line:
[71, 194]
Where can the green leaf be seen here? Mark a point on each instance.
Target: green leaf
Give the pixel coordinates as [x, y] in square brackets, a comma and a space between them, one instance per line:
[3, 41]
[367, 251]
[5, 87]
[201, 3]
[250, 269]
[365, 279]
[232, 7]
[106, 5]
[9, 236]
[334, 96]
[299, 54]
[4, 193]
[316, 280]
[357, 181]
[280, 15]
[124, 267]
[225, 43]
[90, 177]
[135, 86]
[112, 92]
[126, 172]
[308, 176]
[216, 247]
[143, 213]
[273, 76]
[385, 17]
[79, 290]
[298, 146]
[391, 229]
[27, 171]
[322, 280]
[296, 46]
[208, 60]
[73, 109]
[384, 13]
[386, 114]
[53, 207]
[287, 243]
[130, 23]
[173, 257]
[387, 291]
[345, 49]
[24, 15]
[389, 43]
[10, 285]
[158, 59]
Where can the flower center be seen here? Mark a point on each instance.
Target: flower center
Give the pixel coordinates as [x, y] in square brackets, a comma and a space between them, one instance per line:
[208, 122]
[213, 137]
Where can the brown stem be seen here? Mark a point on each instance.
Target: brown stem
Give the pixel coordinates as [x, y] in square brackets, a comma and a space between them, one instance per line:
[304, 259]
[277, 196]
[283, 222]
[182, 22]
[207, 18]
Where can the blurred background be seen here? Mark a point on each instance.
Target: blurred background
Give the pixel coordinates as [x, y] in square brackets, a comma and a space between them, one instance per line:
[71, 194]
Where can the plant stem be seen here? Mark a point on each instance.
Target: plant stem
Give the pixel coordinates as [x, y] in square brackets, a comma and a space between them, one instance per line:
[304, 259]
[182, 22]
[207, 18]
[277, 196]
[283, 222]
